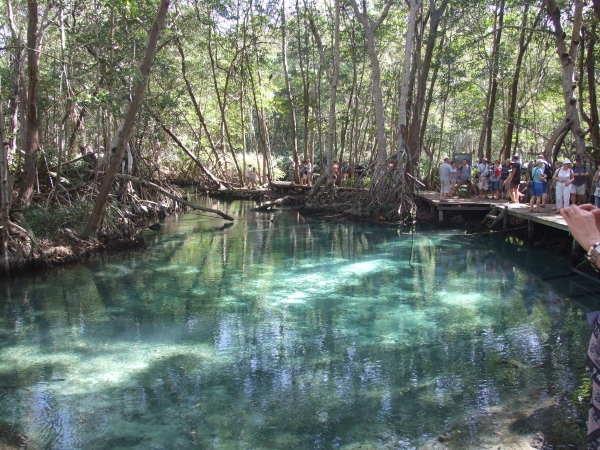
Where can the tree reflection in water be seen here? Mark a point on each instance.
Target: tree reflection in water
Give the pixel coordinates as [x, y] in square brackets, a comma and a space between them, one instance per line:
[285, 331]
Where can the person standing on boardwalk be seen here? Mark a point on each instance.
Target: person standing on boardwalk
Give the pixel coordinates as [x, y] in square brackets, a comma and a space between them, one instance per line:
[495, 175]
[503, 177]
[453, 178]
[563, 178]
[557, 166]
[537, 176]
[547, 169]
[291, 168]
[465, 176]
[514, 179]
[445, 170]
[483, 178]
[578, 187]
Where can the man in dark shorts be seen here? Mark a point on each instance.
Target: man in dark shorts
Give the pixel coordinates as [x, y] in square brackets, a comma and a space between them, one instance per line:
[578, 186]
[359, 173]
[503, 184]
[514, 179]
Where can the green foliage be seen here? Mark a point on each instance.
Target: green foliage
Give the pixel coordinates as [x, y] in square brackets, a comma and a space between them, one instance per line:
[45, 223]
[233, 58]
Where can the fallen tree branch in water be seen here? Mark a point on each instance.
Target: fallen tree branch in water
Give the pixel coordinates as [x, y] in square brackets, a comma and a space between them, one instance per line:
[268, 205]
[166, 193]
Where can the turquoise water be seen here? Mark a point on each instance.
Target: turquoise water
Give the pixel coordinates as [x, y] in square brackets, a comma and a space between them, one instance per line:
[284, 331]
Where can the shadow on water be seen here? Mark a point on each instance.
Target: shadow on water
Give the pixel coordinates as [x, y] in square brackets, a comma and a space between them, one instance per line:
[284, 331]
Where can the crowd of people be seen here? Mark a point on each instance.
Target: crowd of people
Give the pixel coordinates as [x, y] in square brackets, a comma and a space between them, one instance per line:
[565, 182]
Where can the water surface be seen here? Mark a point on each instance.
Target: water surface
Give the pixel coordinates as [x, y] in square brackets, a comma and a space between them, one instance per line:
[284, 331]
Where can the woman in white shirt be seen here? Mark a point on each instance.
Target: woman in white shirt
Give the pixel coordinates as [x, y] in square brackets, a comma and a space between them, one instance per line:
[563, 178]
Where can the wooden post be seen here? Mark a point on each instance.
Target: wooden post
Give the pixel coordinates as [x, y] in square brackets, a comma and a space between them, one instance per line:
[441, 216]
[574, 251]
[530, 232]
[505, 219]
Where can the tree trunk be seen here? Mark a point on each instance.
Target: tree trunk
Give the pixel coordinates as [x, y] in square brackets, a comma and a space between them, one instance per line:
[510, 116]
[494, 88]
[590, 70]
[213, 147]
[32, 137]
[414, 141]
[136, 102]
[568, 58]
[5, 192]
[387, 195]
[327, 176]
[370, 29]
[223, 101]
[290, 96]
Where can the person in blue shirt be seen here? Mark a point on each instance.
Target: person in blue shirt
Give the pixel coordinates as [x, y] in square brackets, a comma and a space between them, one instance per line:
[537, 190]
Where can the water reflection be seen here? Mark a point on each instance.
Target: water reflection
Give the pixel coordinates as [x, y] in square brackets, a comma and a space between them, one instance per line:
[284, 331]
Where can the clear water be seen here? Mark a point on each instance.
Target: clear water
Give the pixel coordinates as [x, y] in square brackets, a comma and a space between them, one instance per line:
[284, 331]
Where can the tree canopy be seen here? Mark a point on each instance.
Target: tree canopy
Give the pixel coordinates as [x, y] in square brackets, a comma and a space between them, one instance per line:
[248, 82]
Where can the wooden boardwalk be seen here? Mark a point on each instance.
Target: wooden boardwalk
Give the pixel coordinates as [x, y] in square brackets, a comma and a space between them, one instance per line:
[547, 217]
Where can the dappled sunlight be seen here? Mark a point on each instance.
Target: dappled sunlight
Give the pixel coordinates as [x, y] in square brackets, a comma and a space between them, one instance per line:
[93, 369]
[279, 339]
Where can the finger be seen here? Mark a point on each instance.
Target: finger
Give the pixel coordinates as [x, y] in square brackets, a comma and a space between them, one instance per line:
[588, 207]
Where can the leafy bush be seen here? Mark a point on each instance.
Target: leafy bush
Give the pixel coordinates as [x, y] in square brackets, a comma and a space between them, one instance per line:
[45, 223]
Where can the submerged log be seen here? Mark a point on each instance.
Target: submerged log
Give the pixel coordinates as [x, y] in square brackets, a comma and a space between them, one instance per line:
[268, 205]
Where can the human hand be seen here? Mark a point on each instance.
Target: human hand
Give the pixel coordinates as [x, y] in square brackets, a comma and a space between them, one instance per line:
[583, 223]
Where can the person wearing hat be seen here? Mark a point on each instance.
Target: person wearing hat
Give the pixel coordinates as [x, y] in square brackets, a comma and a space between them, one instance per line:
[563, 178]
[557, 166]
[514, 179]
[537, 176]
[483, 178]
[578, 186]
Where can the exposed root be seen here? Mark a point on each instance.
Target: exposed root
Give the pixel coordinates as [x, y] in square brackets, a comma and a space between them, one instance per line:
[390, 196]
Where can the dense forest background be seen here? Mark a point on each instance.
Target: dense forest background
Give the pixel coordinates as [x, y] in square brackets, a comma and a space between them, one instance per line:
[238, 82]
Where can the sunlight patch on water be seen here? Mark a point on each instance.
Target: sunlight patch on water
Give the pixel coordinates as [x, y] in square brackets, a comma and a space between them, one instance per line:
[117, 363]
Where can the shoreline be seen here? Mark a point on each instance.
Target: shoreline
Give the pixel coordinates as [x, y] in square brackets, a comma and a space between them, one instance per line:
[68, 249]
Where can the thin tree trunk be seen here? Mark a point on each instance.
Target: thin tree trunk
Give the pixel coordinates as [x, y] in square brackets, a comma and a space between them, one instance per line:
[222, 102]
[5, 192]
[136, 102]
[290, 96]
[32, 137]
[195, 103]
[495, 68]
[370, 29]
[523, 44]
[414, 135]
[61, 131]
[568, 59]
[219, 184]
[590, 69]
[327, 176]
